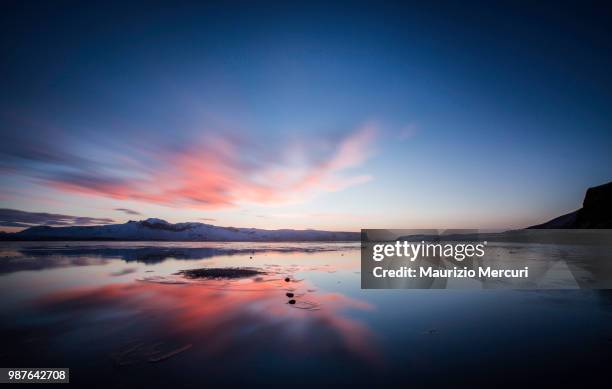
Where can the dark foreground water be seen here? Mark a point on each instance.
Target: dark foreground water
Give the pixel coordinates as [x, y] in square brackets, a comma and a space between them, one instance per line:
[118, 316]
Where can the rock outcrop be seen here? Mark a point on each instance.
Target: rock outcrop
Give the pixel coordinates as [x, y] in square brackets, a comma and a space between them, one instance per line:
[596, 212]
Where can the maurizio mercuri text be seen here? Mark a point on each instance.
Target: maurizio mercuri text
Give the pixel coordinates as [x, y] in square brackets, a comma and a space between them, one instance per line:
[431, 272]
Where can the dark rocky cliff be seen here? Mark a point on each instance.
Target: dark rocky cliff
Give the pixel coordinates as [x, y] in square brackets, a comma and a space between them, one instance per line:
[596, 211]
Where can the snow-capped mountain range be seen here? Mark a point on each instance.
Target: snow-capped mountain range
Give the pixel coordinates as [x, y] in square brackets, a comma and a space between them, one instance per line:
[161, 230]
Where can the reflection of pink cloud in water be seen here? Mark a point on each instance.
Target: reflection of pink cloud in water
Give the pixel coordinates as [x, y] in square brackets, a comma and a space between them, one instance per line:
[249, 316]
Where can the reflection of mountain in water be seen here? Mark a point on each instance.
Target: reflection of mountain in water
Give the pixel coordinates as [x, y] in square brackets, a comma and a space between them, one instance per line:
[134, 254]
[38, 258]
[15, 264]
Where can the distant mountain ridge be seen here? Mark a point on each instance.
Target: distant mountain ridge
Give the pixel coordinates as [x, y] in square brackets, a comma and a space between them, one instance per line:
[596, 212]
[160, 230]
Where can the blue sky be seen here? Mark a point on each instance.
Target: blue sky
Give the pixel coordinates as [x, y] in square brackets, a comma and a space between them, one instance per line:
[305, 115]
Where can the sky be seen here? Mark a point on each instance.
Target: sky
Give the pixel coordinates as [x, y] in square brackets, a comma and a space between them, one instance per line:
[326, 115]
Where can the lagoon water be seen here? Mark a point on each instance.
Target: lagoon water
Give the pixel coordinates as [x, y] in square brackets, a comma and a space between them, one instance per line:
[118, 315]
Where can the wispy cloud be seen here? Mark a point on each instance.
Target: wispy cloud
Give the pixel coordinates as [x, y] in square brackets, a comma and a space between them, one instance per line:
[218, 172]
[128, 211]
[407, 132]
[17, 218]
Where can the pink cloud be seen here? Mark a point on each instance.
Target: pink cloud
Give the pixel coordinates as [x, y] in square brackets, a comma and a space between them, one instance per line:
[223, 172]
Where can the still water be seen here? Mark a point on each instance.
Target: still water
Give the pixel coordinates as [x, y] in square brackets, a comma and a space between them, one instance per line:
[118, 315]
